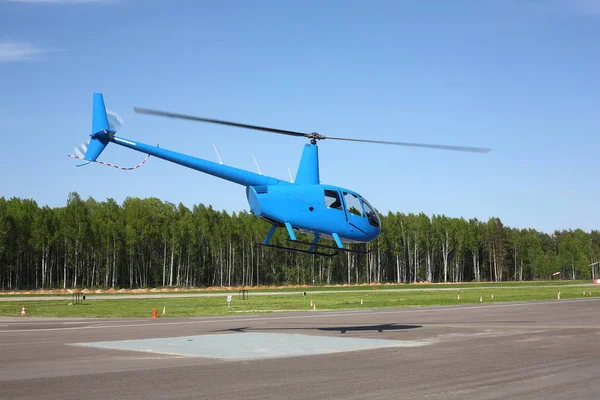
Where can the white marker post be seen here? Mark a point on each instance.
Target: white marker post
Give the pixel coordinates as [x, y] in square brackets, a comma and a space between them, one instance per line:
[228, 301]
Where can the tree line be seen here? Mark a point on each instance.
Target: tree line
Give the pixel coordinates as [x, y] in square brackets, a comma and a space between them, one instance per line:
[152, 243]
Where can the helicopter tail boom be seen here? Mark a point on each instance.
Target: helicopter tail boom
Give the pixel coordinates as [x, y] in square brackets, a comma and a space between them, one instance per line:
[226, 172]
[104, 127]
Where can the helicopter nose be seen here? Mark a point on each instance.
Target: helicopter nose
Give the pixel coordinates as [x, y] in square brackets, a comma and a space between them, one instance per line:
[374, 232]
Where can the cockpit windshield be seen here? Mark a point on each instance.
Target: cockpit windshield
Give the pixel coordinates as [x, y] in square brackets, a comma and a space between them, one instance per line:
[353, 204]
[371, 214]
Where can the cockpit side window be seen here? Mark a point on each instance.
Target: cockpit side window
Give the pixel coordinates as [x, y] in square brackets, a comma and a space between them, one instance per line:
[332, 199]
[371, 214]
[353, 204]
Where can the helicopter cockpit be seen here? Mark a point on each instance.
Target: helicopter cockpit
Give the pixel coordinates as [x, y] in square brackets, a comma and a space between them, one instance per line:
[354, 203]
[371, 214]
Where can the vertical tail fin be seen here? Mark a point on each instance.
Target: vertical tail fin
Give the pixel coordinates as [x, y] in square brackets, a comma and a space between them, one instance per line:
[101, 130]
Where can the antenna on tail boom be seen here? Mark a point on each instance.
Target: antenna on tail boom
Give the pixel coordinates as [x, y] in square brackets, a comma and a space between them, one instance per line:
[257, 167]
[216, 151]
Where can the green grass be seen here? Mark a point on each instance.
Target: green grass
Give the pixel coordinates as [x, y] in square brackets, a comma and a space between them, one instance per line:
[334, 288]
[205, 306]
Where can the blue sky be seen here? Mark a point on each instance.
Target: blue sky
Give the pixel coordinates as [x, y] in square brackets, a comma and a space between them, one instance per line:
[519, 76]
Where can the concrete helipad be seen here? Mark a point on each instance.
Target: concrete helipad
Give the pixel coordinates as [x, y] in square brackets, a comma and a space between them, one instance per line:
[249, 346]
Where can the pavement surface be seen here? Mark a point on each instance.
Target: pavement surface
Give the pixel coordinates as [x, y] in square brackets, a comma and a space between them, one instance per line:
[534, 350]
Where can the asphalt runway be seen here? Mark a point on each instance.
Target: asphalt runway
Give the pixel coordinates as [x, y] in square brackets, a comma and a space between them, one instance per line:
[535, 350]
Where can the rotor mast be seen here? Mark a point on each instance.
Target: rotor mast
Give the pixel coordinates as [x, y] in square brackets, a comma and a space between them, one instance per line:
[308, 170]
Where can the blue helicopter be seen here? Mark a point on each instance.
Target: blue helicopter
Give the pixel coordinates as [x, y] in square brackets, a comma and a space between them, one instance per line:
[305, 205]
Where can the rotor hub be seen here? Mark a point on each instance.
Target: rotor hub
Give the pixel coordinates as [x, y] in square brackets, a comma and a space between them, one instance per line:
[314, 136]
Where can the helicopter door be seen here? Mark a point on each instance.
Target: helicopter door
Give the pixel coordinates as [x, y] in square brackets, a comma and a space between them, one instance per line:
[332, 199]
[355, 213]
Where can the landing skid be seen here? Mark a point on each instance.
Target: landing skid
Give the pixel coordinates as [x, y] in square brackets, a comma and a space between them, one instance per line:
[330, 247]
[312, 245]
[316, 253]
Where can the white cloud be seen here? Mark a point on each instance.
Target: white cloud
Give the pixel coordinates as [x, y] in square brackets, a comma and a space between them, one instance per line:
[21, 51]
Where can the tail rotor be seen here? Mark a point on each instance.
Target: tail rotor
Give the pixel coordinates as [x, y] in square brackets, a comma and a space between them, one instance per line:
[105, 124]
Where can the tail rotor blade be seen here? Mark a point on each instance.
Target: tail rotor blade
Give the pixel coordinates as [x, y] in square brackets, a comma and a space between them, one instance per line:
[114, 120]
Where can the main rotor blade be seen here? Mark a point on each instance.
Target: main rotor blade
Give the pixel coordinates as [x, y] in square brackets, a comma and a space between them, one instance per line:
[428, 146]
[314, 135]
[216, 121]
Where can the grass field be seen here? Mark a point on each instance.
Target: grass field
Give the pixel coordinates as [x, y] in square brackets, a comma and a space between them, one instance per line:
[332, 299]
[300, 288]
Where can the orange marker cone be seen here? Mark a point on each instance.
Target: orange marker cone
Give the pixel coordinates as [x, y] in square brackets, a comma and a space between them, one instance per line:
[23, 313]
[154, 314]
